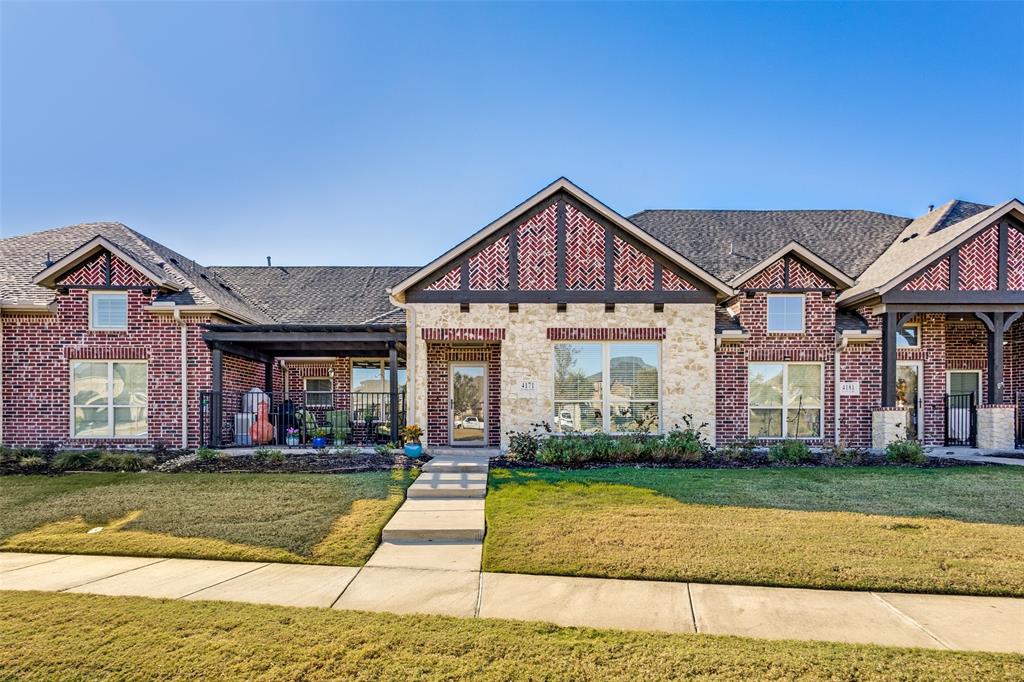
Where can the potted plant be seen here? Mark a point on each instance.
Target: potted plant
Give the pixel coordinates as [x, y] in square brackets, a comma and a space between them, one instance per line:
[412, 434]
[320, 439]
[291, 436]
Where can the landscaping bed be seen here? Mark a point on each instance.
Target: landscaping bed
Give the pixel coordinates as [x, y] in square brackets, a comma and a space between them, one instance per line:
[325, 461]
[75, 636]
[957, 530]
[299, 518]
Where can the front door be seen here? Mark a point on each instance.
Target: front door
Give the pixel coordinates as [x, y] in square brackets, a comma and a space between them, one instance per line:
[908, 396]
[467, 417]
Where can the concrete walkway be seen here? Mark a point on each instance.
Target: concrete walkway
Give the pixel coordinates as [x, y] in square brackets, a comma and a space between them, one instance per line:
[965, 454]
[450, 587]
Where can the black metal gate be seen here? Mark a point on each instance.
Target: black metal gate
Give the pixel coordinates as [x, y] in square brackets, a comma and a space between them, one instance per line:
[961, 419]
[1020, 419]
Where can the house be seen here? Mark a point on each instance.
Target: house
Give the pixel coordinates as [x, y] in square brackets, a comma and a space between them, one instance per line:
[850, 326]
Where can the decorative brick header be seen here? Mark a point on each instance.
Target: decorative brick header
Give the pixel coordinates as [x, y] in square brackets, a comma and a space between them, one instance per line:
[463, 334]
[606, 333]
[998, 406]
[890, 409]
[787, 355]
[106, 353]
[969, 364]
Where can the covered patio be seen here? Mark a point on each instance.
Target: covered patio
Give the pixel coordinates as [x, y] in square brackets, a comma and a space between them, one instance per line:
[251, 403]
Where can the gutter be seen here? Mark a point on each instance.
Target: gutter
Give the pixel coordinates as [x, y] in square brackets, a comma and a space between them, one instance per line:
[170, 306]
[730, 336]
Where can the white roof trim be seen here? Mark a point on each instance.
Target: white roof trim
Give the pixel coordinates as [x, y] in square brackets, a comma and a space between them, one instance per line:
[803, 252]
[563, 184]
[47, 278]
[168, 307]
[1013, 205]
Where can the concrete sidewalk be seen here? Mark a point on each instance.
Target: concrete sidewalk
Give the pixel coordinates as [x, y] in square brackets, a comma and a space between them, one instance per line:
[933, 621]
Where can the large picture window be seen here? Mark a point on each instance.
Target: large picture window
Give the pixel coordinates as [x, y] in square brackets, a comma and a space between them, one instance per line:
[785, 400]
[611, 387]
[108, 399]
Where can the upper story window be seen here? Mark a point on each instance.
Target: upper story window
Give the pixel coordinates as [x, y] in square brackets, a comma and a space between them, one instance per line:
[610, 387]
[909, 336]
[108, 311]
[319, 392]
[786, 313]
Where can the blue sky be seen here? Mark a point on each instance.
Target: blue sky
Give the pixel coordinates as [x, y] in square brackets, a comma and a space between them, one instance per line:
[324, 133]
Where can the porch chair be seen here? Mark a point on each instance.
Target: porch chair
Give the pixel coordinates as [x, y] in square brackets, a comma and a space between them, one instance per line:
[337, 422]
[306, 422]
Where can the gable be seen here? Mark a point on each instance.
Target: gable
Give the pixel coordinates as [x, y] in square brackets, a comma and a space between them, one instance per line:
[788, 272]
[104, 270]
[560, 250]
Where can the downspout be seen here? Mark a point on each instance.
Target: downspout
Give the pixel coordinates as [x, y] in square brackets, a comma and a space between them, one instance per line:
[410, 360]
[843, 342]
[184, 377]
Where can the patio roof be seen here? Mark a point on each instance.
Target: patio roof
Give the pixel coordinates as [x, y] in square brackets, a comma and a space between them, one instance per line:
[264, 342]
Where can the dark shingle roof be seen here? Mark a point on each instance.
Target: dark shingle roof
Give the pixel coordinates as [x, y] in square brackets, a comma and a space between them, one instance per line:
[727, 243]
[850, 320]
[726, 322]
[24, 256]
[320, 294]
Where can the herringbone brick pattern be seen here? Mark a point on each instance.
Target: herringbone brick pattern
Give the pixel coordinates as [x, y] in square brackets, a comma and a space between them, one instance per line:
[488, 268]
[803, 277]
[634, 270]
[537, 241]
[584, 251]
[670, 281]
[1015, 259]
[450, 282]
[935, 278]
[92, 274]
[979, 262]
[772, 277]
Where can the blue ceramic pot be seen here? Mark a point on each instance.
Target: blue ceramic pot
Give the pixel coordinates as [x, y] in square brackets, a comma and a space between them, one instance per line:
[319, 442]
[413, 450]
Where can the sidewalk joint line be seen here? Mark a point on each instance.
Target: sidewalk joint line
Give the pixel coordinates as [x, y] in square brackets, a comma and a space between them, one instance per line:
[112, 575]
[693, 613]
[359, 569]
[913, 621]
[221, 582]
[479, 592]
[40, 563]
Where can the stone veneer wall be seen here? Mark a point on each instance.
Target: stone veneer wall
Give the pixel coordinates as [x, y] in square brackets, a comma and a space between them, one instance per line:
[688, 354]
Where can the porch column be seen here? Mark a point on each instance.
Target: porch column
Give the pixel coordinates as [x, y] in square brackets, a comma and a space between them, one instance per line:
[216, 397]
[393, 383]
[889, 325]
[995, 359]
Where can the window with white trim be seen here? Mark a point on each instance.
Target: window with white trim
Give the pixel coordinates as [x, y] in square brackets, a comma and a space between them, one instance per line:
[785, 313]
[109, 399]
[319, 391]
[909, 336]
[785, 399]
[613, 387]
[108, 311]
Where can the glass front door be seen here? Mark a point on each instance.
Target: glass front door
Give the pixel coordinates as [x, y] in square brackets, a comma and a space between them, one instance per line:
[908, 396]
[468, 416]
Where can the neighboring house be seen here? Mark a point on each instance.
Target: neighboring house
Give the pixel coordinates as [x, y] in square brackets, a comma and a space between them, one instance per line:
[848, 326]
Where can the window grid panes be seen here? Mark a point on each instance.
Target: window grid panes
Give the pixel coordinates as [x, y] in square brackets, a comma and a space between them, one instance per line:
[611, 387]
[319, 392]
[109, 399]
[109, 311]
[785, 313]
[785, 400]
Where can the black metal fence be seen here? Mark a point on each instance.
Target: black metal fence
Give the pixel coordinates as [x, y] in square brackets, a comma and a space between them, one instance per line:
[254, 418]
[961, 419]
[1020, 419]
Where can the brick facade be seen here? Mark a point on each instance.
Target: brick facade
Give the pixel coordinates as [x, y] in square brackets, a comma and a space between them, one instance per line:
[439, 359]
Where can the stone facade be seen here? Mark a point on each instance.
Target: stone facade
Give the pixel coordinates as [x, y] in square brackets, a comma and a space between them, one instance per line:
[887, 425]
[996, 427]
[687, 358]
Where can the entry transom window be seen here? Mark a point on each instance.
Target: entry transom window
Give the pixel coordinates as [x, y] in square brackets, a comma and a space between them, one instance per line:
[611, 387]
[785, 313]
[108, 311]
[109, 399]
[909, 336]
[319, 392]
[785, 400]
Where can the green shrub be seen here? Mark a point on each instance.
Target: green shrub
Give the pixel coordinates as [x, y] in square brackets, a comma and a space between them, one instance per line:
[206, 454]
[117, 461]
[523, 445]
[739, 452]
[791, 451]
[76, 460]
[32, 465]
[903, 451]
[269, 456]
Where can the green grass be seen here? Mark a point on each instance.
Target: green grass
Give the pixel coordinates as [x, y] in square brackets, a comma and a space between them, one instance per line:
[952, 530]
[65, 636]
[302, 518]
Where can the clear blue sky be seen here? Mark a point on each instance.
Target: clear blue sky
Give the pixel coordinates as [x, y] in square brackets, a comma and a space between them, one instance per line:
[327, 133]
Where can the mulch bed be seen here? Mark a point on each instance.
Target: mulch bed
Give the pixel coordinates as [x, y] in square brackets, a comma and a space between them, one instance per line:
[307, 463]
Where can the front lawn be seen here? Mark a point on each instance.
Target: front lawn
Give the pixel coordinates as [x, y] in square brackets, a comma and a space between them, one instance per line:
[953, 530]
[253, 517]
[72, 636]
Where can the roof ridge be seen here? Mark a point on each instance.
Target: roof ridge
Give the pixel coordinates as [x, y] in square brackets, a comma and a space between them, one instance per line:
[768, 210]
[270, 267]
[36, 233]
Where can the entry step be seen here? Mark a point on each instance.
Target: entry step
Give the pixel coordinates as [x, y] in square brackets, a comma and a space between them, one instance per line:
[408, 525]
[457, 464]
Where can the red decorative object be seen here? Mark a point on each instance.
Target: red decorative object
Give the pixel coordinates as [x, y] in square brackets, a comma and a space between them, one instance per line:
[262, 431]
